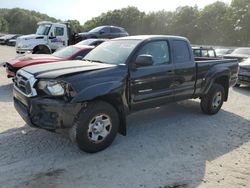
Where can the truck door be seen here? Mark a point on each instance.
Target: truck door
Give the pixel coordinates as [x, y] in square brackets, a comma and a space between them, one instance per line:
[152, 85]
[57, 38]
[185, 70]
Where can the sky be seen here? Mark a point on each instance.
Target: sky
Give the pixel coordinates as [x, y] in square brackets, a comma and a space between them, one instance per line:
[83, 10]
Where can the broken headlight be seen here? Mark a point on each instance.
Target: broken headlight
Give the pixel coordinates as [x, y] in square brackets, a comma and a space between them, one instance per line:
[55, 88]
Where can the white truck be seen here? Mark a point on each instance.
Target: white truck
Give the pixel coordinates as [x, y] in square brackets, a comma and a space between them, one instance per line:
[48, 38]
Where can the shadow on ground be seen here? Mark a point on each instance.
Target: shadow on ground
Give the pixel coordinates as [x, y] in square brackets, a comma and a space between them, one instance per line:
[165, 147]
[245, 90]
[6, 93]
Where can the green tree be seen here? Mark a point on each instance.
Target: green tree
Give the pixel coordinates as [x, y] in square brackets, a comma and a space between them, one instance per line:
[3, 25]
[156, 23]
[184, 23]
[240, 17]
[75, 26]
[211, 24]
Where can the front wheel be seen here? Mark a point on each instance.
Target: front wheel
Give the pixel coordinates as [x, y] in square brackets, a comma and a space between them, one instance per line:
[211, 103]
[96, 127]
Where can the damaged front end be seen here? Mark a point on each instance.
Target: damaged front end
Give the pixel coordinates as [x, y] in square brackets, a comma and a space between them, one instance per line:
[45, 103]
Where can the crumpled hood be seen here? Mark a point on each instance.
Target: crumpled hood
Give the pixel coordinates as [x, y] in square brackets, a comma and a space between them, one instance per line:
[58, 69]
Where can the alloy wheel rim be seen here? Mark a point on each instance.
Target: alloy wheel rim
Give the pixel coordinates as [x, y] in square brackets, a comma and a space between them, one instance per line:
[217, 100]
[99, 128]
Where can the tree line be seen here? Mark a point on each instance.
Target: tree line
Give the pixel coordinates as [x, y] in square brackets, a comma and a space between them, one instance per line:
[215, 24]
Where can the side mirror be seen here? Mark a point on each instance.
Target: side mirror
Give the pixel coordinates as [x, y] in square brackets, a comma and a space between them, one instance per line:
[144, 60]
[78, 58]
[101, 32]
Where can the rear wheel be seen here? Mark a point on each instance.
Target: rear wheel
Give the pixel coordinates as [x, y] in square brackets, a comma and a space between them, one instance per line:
[211, 103]
[96, 127]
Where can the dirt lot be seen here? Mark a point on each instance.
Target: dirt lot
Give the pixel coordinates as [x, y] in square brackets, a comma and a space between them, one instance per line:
[172, 146]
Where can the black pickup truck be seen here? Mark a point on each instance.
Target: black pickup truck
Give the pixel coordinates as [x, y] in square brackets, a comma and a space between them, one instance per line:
[121, 76]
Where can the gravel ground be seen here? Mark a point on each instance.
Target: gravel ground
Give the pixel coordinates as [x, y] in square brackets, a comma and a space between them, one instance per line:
[174, 146]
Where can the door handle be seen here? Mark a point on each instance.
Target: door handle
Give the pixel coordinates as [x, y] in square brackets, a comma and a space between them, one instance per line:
[170, 71]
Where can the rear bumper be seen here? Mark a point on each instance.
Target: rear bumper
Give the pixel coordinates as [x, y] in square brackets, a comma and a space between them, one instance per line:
[45, 113]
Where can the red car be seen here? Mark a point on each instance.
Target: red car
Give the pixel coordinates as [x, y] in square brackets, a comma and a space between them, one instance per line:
[76, 52]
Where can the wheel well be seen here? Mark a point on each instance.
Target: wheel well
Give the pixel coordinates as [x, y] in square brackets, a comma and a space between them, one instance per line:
[116, 101]
[224, 81]
[42, 48]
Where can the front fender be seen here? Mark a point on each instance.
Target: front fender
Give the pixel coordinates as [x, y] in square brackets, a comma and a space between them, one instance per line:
[112, 92]
[98, 90]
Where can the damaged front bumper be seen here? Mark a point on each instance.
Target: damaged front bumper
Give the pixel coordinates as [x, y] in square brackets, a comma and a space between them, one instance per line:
[46, 113]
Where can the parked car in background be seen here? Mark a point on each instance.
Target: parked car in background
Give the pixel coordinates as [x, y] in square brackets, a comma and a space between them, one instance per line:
[104, 32]
[244, 73]
[5, 39]
[207, 52]
[239, 53]
[92, 42]
[12, 42]
[220, 52]
[119, 77]
[75, 52]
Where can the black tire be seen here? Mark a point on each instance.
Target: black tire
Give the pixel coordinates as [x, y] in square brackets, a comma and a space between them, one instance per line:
[38, 52]
[237, 85]
[41, 50]
[83, 124]
[209, 103]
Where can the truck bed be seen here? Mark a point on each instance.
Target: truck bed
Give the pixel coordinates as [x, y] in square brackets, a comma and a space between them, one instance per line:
[207, 67]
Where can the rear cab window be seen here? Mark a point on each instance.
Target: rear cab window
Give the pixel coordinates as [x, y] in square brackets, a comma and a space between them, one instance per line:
[181, 51]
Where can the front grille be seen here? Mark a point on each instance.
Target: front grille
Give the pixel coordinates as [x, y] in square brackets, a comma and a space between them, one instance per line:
[24, 82]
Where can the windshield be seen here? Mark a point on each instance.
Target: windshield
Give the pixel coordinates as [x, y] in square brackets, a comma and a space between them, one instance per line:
[112, 52]
[43, 29]
[67, 52]
[245, 51]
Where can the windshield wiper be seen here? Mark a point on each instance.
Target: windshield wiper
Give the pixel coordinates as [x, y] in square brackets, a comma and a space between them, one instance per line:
[93, 61]
[87, 60]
